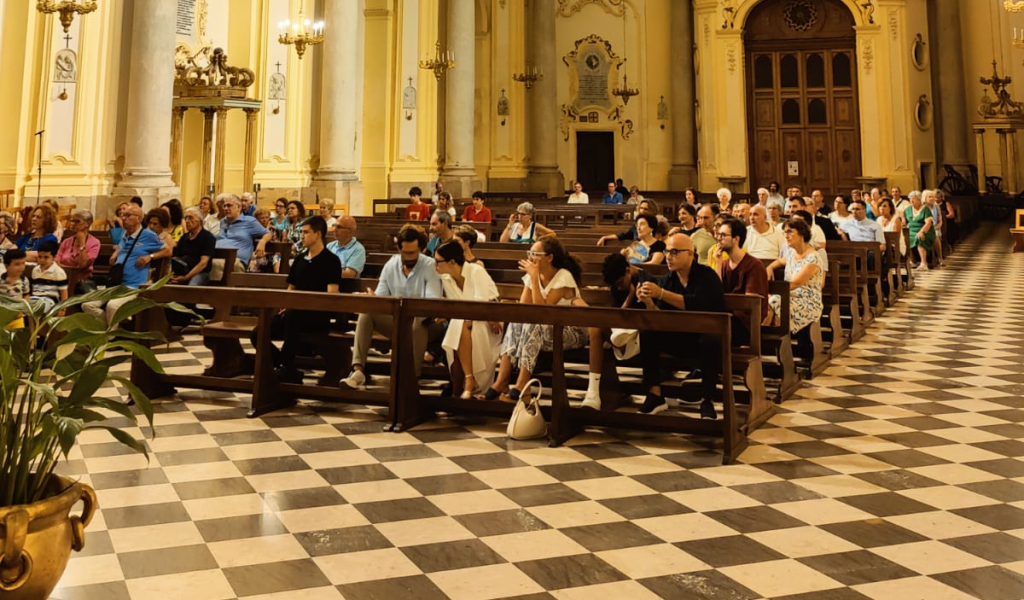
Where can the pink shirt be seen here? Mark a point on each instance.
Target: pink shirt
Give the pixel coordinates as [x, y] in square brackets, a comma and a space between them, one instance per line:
[68, 253]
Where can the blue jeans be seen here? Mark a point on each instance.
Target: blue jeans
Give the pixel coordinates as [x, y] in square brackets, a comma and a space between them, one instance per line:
[200, 279]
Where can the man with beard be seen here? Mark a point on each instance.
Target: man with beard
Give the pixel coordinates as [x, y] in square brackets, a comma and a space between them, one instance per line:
[408, 274]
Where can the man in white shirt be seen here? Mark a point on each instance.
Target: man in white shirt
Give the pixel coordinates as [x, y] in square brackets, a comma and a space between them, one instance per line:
[763, 240]
[578, 196]
[862, 229]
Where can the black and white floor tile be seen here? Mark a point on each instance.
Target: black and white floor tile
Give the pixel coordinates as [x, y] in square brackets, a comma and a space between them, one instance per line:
[896, 475]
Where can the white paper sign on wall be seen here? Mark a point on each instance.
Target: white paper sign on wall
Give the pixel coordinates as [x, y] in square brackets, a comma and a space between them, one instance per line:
[793, 168]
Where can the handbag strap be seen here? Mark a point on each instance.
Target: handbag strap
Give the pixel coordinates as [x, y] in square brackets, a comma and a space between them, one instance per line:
[135, 240]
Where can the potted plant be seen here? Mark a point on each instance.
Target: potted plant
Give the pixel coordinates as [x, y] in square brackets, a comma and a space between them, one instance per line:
[51, 367]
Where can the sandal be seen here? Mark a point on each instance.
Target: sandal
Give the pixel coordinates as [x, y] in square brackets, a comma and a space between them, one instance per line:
[468, 393]
[491, 394]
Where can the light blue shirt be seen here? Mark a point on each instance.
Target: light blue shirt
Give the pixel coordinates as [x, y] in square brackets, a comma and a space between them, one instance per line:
[352, 255]
[147, 244]
[241, 234]
[863, 231]
[422, 282]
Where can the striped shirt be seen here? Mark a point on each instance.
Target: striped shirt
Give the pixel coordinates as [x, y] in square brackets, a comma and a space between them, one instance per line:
[48, 283]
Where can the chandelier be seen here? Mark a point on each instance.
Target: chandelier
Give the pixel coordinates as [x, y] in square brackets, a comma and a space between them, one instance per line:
[1015, 7]
[66, 9]
[529, 77]
[625, 92]
[442, 61]
[302, 33]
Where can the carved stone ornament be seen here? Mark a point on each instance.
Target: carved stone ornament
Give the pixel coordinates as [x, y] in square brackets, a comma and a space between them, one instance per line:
[216, 80]
[867, 55]
[728, 15]
[185, 55]
[567, 8]
[867, 11]
[800, 15]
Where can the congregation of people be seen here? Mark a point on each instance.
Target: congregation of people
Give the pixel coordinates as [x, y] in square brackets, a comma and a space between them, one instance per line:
[714, 248]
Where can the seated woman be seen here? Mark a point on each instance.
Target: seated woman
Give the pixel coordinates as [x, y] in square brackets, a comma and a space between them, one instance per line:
[7, 231]
[921, 224]
[43, 224]
[264, 263]
[159, 223]
[646, 250]
[472, 346]
[552, 278]
[467, 237]
[176, 213]
[521, 228]
[890, 221]
[117, 224]
[445, 203]
[804, 274]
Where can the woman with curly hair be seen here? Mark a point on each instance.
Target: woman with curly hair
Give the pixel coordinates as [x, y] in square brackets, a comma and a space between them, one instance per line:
[43, 224]
[552, 278]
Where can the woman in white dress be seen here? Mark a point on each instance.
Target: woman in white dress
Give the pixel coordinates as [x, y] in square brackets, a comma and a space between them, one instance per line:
[472, 346]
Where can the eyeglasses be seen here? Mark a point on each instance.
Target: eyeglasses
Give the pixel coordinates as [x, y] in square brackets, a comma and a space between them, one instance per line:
[673, 252]
[532, 254]
[721, 235]
[341, 227]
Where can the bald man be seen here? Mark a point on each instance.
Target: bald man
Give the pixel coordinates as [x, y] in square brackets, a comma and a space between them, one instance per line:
[347, 248]
[688, 285]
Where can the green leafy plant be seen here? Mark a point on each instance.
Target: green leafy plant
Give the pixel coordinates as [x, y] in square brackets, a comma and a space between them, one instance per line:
[50, 370]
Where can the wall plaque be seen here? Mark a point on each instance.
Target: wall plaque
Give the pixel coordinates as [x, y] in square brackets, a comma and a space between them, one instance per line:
[593, 73]
[186, 20]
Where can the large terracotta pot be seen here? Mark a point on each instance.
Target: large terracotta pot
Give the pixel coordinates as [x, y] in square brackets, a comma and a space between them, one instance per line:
[36, 539]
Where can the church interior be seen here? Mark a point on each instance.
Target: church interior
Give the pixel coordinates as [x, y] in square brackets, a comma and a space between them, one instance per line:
[886, 464]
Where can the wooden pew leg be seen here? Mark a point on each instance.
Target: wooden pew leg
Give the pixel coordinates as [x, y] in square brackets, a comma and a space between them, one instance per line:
[789, 381]
[761, 409]
[229, 360]
[612, 395]
[820, 358]
[840, 341]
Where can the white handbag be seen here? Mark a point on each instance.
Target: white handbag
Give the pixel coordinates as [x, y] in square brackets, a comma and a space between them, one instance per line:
[527, 421]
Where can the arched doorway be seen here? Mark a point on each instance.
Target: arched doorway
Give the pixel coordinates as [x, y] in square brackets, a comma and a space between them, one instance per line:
[802, 95]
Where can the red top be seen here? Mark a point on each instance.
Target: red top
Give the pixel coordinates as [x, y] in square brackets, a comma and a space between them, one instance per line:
[418, 212]
[470, 214]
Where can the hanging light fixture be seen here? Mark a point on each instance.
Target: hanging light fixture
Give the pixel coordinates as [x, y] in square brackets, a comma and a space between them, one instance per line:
[443, 61]
[625, 92]
[66, 9]
[301, 33]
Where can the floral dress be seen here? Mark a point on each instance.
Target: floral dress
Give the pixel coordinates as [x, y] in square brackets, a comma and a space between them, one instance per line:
[805, 304]
[916, 223]
[524, 342]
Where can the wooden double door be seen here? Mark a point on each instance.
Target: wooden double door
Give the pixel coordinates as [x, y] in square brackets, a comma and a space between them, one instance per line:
[803, 114]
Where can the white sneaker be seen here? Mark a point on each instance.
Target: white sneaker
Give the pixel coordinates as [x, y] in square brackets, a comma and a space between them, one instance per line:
[592, 401]
[356, 380]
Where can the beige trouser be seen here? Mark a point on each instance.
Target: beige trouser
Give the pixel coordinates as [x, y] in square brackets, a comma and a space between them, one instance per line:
[383, 324]
[105, 312]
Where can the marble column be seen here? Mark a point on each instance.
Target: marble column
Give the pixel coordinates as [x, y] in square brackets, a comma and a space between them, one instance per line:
[337, 177]
[683, 98]
[220, 150]
[544, 131]
[147, 160]
[460, 106]
[948, 71]
[177, 135]
[206, 164]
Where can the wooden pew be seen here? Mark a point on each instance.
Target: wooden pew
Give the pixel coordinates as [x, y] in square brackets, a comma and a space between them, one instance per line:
[566, 421]
[869, 271]
[267, 392]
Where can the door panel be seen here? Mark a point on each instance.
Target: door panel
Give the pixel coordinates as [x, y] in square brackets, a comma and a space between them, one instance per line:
[809, 114]
[595, 159]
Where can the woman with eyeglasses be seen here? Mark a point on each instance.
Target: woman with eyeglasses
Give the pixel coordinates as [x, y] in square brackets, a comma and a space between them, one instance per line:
[472, 346]
[280, 219]
[804, 273]
[521, 228]
[552, 278]
[292, 231]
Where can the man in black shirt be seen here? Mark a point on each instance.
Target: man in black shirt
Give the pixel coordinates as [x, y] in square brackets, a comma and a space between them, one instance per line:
[688, 286]
[193, 256]
[315, 270]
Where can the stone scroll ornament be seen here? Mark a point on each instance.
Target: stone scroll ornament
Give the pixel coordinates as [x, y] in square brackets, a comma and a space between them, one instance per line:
[593, 74]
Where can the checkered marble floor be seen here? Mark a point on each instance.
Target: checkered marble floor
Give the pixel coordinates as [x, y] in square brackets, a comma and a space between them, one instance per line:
[896, 475]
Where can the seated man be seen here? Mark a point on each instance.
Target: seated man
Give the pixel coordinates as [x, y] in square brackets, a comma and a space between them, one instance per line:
[477, 212]
[408, 274]
[687, 286]
[763, 241]
[138, 248]
[315, 270]
[193, 256]
[440, 230]
[240, 231]
[347, 248]
[623, 279]
[742, 273]
[612, 196]
[862, 229]
[417, 210]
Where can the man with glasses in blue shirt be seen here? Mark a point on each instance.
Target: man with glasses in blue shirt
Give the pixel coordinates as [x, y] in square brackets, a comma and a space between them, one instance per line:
[408, 274]
[347, 248]
[688, 285]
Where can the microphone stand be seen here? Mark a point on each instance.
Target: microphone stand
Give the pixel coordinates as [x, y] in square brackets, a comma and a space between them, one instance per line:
[39, 178]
